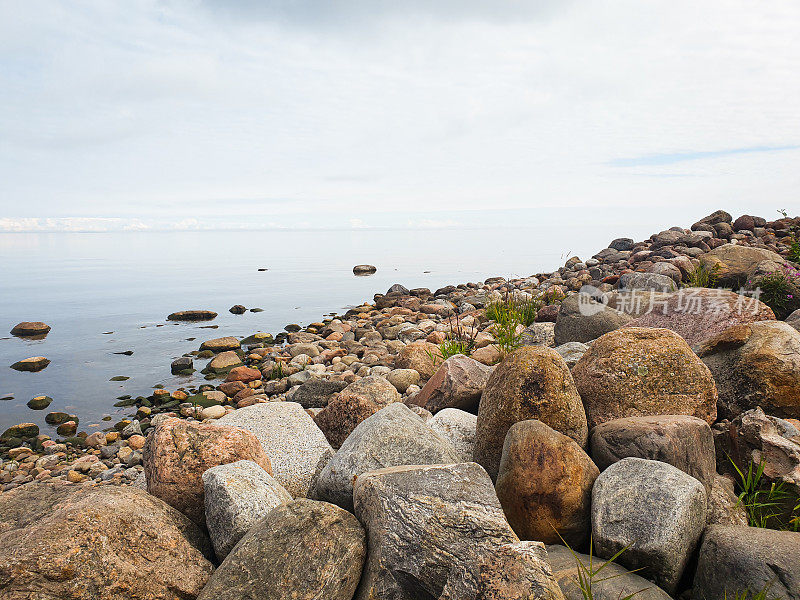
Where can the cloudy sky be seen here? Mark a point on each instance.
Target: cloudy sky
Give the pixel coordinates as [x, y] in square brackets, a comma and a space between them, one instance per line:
[188, 114]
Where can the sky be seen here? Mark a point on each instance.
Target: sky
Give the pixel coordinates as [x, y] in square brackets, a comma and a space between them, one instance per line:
[200, 114]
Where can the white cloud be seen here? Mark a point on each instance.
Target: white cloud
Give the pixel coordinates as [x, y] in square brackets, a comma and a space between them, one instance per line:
[242, 114]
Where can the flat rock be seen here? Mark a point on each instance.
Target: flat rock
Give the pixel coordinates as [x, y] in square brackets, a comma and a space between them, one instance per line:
[531, 383]
[698, 314]
[303, 550]
[679, 440]
[59, 540]
[224, 361]
[178, 452]
[316, 392]
[647, 281]
[757, 364]
[32, 364]
[221, 344]
[652, 510]
[582, 319]
[458, 383]
[297, 448]
[429, 530]
[192, 315]
[30, 329]
[545, 484]
[237, 495]
[458, 426]
[393, 436]
[734, 559]
[637, 371]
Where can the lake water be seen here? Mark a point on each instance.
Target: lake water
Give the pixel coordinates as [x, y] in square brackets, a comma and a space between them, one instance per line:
[88, 284]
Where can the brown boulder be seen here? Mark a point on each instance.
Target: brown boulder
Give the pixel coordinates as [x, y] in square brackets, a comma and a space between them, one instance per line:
[244, 374]
[637, 371]
[97, 543]
[545, 484]
[533, 382]
[342, 415]
[736, 263]
[192, 315]
[31, 329]
[757, 364]
[420, 356]
[458, 383]
[178, 452]
[697, 314]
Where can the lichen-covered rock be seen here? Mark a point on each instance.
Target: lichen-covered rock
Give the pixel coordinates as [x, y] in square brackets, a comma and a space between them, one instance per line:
[545, 484]
[458, 383]
[531, 383]
[237, 495]
[304, 550]
[457, 426]
[178, 452]
[97, 543]
[637, 371]
[735, 559]
[429, 529]
[295, 445]
[652, 510]
[613, 582]
[698, 314]
[582, 319]
[420, 356]
[757, 364]
[679, 440]
[391, 437]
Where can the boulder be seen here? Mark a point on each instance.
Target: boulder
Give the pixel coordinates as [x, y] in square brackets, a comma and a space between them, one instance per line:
[32, 364]
[457, 426]
[539, 334]
[735, 263]
[192, 315]
[303, 550]
[39, 402]
[316, 392]
[637, 371]
[429, 530]
[374, 388]
[224, 362]
[698, 314]
[571, 352]
[653, 511]
[221, 344]
[238, 495]
[393, 436]
[297, 448]
[531, 383]
[613, 583]
[679, 440]
[178, 452]
[545, 484]
[739, 559]
[237, 309]
[718, 216]
[582, 319]
[364, 269]
[724, 507]
[757, 364]
[423, 357]
[184, 363]
[59, 540]
[30, 329]
[794, 319]
[636, 303]
[647, 281]
[402, 379]
[458, 383]
[342, 416]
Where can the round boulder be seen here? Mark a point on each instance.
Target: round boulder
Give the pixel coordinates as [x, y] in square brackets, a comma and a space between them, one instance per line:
[30, 329]
[420, 356]
[533, 382]
[582, 319]
[637, 371]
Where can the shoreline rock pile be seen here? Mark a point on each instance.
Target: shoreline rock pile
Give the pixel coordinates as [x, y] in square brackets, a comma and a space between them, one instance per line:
[352, 459]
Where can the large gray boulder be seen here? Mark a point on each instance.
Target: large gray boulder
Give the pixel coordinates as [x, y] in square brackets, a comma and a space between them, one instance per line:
[652, 510]
[458, 383]
[737, 559]
[295, 445]
[391, 437]
[613, 582]
[430, 528]
[304, 550]
[582, 319]
[458, 426]
[237, 495]
[679, 440]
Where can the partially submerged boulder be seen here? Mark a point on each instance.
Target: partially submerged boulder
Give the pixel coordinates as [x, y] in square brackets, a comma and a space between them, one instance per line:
[637, 371]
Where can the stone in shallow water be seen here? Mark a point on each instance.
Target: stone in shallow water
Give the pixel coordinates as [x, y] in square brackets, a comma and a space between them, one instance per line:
[33, 364]
[30, 329]
[192, 315]
[39, 402]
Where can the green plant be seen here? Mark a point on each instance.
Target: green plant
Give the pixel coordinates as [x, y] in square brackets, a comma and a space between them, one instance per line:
[759, 595]
[277, 371]
[460, 340]
[780, 290]
[763, 503]
[589, 575]
[703, 275]
[523, 310]
[794, 246]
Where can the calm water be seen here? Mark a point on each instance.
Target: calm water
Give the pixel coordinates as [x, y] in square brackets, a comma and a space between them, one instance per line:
[87, 284]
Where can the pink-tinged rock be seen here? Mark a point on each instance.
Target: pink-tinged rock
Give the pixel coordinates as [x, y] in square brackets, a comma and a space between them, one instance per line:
[178, 452]
[698, 314]
[458, 383]
[244, 374]
[436, 337]
[420, 356]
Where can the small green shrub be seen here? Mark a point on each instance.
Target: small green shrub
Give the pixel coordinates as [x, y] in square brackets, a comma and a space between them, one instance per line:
[764, 503]
[780, 290]
[589, 575]
[277, 371]
[759, 595]
[703, 276]
[522, 310]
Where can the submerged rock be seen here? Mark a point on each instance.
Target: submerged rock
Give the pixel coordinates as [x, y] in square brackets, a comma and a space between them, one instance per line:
[192, 315]
[30, 329]
[33, 364]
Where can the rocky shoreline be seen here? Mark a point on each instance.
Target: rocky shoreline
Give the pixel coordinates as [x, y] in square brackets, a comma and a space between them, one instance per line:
[612, 410]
